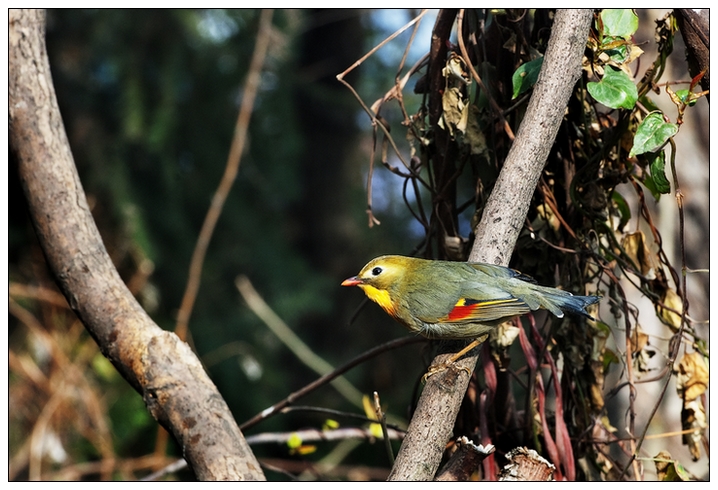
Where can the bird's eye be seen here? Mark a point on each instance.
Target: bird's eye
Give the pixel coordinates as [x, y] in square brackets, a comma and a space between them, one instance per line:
[376, 271]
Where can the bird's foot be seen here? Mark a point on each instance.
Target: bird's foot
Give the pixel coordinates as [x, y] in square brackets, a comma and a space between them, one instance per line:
[437, 368]
[451, 362]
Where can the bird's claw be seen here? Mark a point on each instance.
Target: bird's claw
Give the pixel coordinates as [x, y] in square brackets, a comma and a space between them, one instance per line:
[451, 363]
[437, 368]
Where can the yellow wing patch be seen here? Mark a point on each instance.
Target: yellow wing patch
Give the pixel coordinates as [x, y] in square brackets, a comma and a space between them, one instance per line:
[484, 304]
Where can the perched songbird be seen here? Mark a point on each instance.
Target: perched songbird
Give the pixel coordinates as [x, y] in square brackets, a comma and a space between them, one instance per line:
[457, 300]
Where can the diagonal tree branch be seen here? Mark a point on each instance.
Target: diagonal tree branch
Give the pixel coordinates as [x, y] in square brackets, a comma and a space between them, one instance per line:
[507, 207]
[163, 369]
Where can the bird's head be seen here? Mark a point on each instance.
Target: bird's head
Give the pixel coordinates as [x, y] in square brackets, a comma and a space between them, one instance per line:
[379, 278]
[380, 273]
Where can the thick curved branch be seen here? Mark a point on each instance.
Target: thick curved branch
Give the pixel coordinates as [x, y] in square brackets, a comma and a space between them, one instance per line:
[163, 369]
[507, 207]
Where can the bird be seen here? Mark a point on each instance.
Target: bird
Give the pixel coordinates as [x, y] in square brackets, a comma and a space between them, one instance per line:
[458, 300]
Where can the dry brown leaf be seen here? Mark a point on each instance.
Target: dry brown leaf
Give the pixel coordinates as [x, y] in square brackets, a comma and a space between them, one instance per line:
[670, 317]
[639, 339]
[548, 216]
[693, 417]
[635, 246]
[454, 70]
[668, 469]
[692, 377]
[456, 112]
[500, 340]
[691, 382]
[663, 461]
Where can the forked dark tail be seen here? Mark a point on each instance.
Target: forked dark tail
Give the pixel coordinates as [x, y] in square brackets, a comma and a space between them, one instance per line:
[558, 301]
[578, 304]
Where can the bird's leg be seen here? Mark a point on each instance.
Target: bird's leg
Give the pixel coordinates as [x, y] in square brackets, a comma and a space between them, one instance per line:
[433, 369]
[462, 352]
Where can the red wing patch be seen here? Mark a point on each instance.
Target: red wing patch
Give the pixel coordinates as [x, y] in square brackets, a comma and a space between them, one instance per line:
[467, 309]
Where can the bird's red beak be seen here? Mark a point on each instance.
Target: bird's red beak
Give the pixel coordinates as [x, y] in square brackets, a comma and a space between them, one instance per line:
[352, 281]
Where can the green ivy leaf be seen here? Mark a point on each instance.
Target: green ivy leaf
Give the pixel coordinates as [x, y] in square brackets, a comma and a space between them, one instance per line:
[610, 357]
[623, 209]
[687, 97]
[619, 22]
[615, 90]
[618, 54]
[658, 173]
[525, 76]
[652, 134]
[651, 186]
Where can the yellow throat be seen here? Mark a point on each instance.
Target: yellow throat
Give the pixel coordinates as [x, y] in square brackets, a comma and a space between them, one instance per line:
[379, 296]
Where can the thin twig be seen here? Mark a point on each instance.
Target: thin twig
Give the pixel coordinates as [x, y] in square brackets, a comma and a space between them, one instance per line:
[372, 219]
[372, 114]
[361, 60]
[277, 407]
[39, 293]
[173, 467]
[230, 173]
[381, 417]
[335, 413]
[376, 121]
